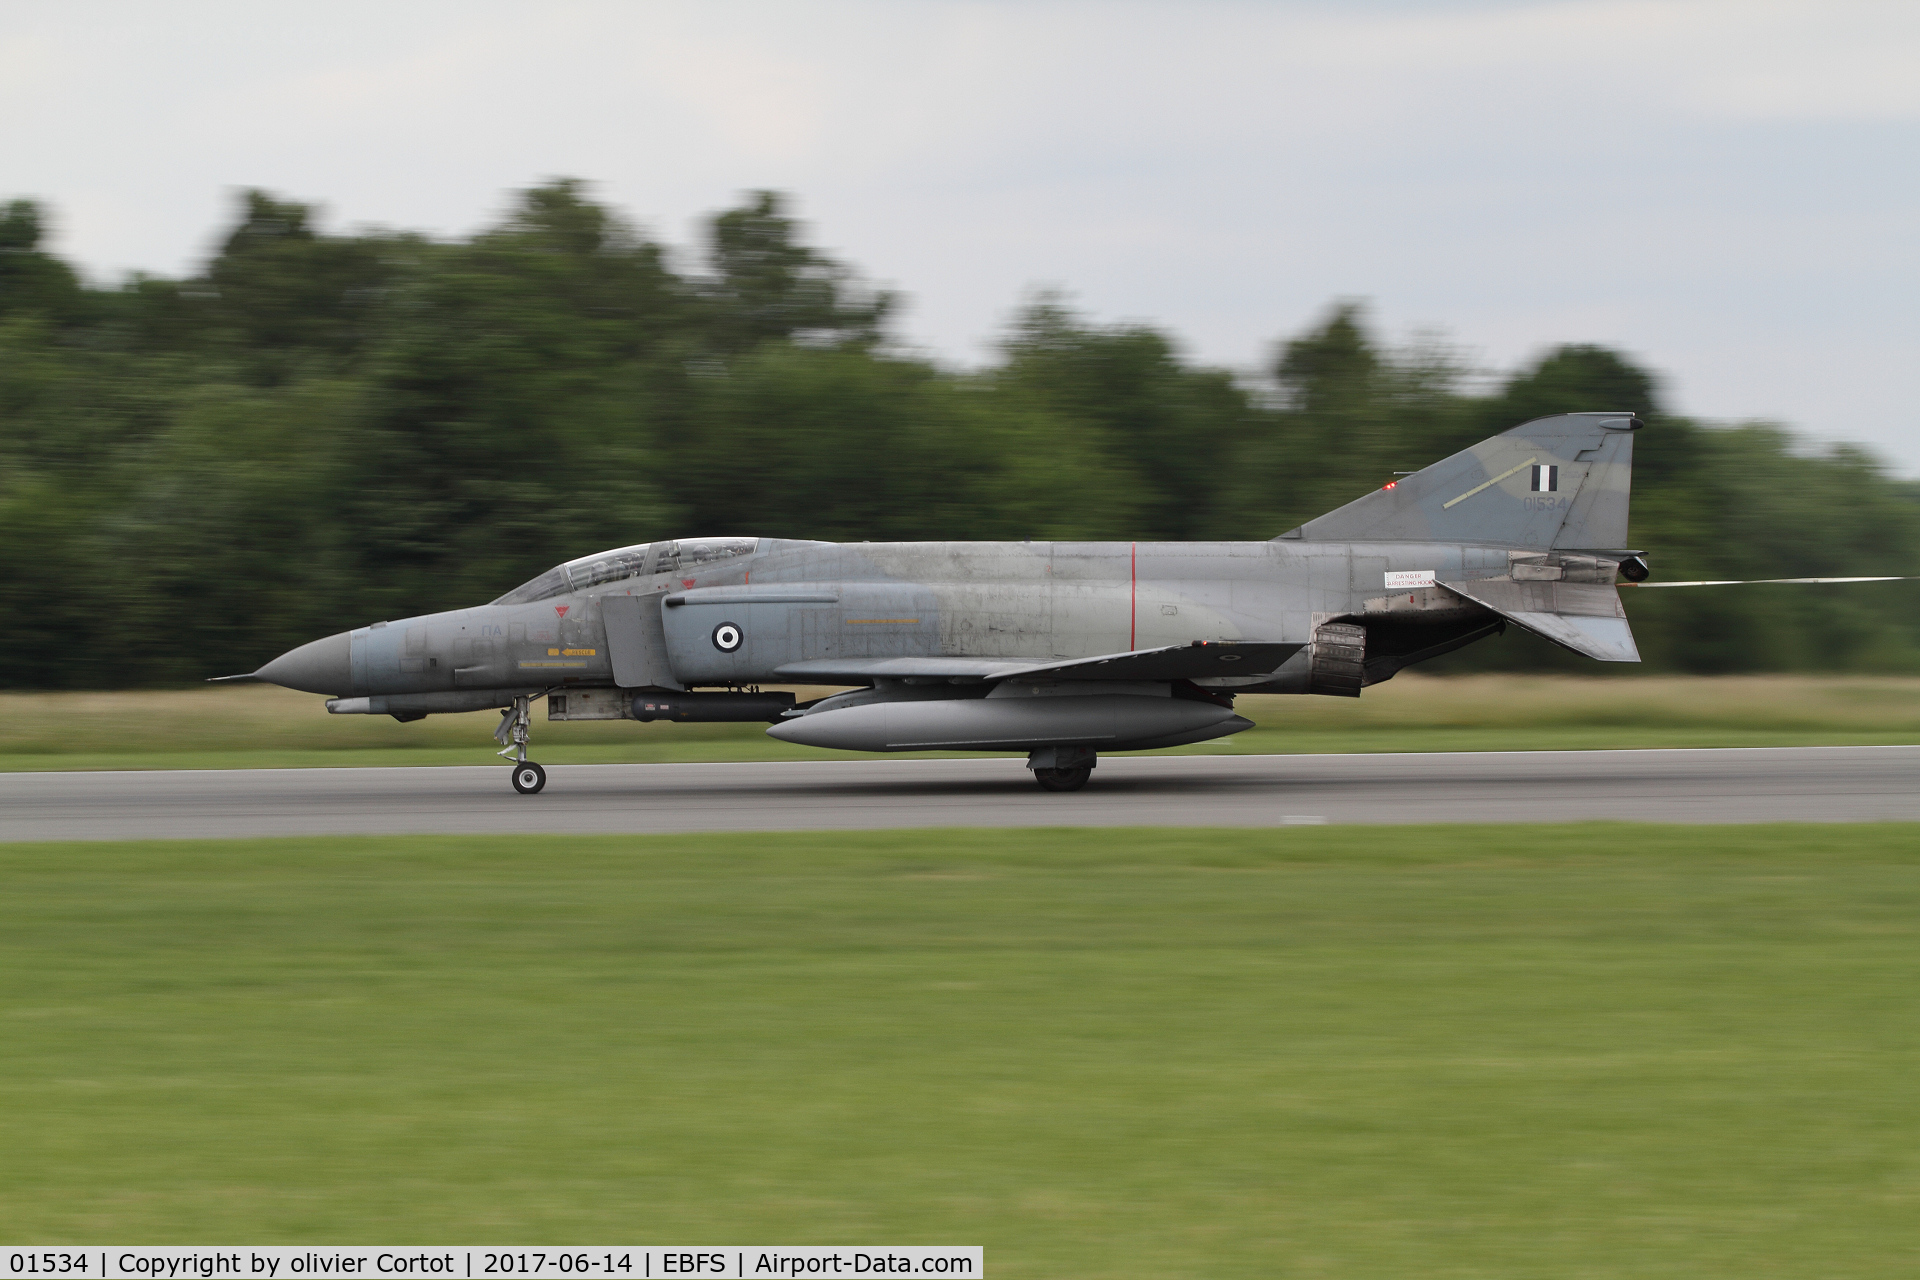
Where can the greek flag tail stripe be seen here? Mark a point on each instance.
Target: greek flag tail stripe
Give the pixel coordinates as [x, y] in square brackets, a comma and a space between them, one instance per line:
[1546, 479]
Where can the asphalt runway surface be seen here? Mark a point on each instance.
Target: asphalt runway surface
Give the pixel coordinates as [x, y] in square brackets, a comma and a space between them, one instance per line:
[1787, 784]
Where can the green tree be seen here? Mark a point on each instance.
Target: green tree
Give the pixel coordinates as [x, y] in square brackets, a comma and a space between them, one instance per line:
[512, 402]
[766, 286]
[1135, 410]
[1346, 415]
[33, 282]
[316, 430]
[842, 444]
[288, 300]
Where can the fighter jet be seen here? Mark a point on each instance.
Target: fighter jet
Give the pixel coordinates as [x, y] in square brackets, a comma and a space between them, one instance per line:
[1059, 650]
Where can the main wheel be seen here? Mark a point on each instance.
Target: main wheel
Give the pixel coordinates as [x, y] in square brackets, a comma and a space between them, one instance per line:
[528, 778]
[1063, 779]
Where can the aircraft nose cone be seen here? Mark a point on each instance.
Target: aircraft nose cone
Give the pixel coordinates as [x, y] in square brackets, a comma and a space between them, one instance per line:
[322, 666]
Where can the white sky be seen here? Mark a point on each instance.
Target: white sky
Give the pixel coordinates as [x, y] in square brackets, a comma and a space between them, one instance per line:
[1727, 189]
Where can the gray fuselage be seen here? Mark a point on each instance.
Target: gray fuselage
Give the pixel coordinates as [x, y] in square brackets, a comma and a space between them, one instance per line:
[1057, 648]
[791, 603]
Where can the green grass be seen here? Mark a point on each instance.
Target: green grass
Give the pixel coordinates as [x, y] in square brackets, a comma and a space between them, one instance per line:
[263, 727]
[1598, 1050]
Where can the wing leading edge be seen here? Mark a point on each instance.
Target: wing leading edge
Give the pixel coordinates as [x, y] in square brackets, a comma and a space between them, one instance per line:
[1193, 661]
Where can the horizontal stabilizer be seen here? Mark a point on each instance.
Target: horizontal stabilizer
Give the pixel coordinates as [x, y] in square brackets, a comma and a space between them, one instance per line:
[1608, 639]
[1585, 617]
[1174, 662]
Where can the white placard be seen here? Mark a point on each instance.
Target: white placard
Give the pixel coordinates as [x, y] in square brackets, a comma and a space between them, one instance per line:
[1410, 578]
[484, 1262]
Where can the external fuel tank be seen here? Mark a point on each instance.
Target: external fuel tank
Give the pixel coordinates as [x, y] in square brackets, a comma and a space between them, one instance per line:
[1010, 720]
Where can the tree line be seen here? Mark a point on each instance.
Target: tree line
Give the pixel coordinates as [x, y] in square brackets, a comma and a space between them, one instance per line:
[317, 430]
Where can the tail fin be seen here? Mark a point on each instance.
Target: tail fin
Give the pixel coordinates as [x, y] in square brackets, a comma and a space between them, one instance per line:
[1559, 482]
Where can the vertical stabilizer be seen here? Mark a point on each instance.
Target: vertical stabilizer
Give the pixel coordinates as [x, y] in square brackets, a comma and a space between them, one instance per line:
[1559, 482]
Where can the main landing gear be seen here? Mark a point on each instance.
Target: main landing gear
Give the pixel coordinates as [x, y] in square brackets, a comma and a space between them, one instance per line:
[516, 722]
[1062, 768]
[1063, 779]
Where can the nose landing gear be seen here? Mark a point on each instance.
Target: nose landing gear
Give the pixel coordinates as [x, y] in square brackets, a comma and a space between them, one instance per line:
[516, 722]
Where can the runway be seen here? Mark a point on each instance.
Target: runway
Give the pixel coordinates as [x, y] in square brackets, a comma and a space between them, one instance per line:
[1788, 784]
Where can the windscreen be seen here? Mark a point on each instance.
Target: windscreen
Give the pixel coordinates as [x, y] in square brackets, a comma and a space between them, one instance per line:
[551, 583]
[608, 566]
[626, 562]
[577, 575]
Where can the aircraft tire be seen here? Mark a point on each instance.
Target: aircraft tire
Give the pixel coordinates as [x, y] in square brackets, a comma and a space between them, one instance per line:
[528, 778]
[1063, 779]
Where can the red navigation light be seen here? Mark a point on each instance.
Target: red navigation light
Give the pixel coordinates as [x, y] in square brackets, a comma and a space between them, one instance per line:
[1390, 484]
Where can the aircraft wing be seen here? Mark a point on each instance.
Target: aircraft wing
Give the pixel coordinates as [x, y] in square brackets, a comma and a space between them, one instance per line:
[1172, 662]
[828, 670]
[1192, 661]
[1585, 617]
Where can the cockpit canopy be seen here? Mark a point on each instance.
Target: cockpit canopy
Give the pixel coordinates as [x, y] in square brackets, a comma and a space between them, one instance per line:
[629, 562]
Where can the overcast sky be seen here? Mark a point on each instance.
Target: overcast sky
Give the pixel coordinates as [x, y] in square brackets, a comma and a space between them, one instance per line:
[1727, 189]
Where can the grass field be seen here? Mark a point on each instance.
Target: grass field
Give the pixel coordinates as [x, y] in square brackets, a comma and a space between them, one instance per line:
[261, 726]
[1354, 1052]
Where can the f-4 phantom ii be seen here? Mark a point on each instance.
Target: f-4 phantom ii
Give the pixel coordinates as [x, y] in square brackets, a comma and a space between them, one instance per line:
[1061, 650]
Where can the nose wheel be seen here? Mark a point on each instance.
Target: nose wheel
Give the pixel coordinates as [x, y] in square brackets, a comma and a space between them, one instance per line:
[516, 722]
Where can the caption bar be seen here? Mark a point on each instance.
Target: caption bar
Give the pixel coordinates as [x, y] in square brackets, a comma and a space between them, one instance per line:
[465, 1262]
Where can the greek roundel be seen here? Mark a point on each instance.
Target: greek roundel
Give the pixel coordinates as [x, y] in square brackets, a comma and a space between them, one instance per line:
[1546, 479]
